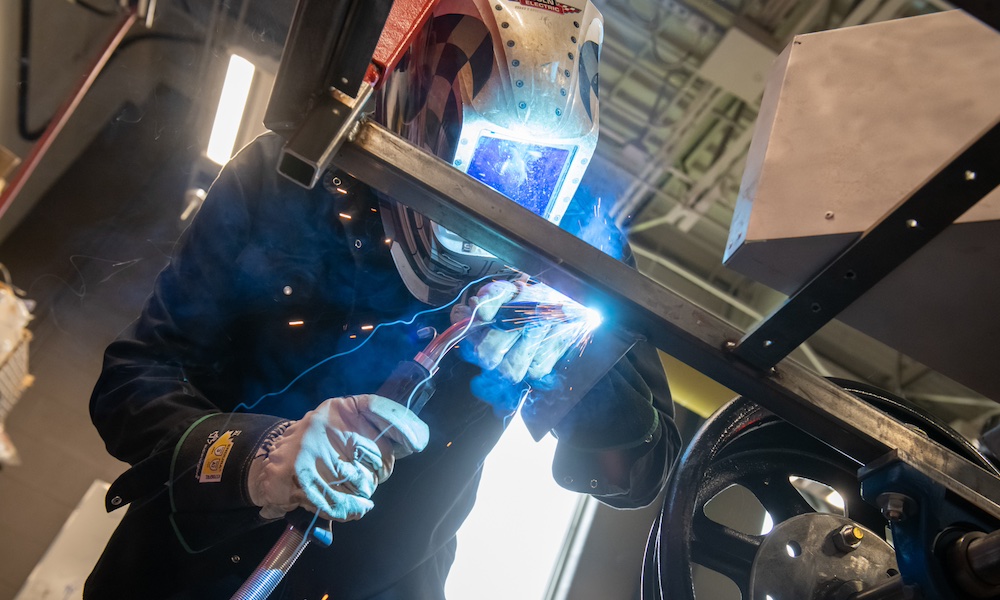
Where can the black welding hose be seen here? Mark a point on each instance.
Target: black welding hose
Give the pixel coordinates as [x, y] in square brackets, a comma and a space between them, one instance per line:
[22, 78]
[273, 567]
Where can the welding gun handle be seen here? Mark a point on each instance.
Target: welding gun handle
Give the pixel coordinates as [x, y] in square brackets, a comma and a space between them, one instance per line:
[410, 384]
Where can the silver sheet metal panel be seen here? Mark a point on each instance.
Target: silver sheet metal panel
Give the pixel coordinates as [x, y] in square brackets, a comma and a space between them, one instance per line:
[853, 121]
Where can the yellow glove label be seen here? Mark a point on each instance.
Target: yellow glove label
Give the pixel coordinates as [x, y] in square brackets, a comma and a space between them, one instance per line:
[214, 457]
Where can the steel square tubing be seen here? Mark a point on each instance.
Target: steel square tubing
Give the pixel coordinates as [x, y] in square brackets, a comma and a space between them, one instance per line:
[628, 299]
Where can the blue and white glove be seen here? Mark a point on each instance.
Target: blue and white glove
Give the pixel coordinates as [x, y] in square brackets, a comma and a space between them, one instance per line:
[332, 459]
[527, 351]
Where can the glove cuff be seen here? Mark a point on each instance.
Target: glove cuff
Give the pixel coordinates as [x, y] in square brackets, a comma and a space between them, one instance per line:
[255, 473]
[212, 460]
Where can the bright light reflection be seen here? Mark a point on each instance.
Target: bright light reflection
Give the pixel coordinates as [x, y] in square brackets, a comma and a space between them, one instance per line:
[518, 525]
[768, 524]
[592, 319]
[835, 500]
[229, 115]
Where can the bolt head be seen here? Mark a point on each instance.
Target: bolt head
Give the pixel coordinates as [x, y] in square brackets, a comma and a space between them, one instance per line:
[853, 534]
[895, 507]
[848, 538]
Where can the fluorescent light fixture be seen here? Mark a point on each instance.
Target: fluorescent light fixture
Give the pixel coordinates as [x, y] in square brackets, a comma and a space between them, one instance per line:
[229, 115]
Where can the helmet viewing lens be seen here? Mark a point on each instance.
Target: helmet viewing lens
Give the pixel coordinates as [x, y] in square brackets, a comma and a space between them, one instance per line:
[531, 174]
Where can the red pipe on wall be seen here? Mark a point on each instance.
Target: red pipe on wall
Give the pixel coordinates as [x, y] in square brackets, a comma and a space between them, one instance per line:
[63, 114]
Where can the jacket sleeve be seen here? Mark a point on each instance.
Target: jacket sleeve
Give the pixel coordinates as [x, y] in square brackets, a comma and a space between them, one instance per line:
[146, 405]
[619, 443]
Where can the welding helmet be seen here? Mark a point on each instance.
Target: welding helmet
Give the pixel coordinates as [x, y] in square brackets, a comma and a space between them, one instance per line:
[506, 91]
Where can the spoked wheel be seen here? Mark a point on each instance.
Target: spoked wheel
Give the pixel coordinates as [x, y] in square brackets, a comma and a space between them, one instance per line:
[745, 445]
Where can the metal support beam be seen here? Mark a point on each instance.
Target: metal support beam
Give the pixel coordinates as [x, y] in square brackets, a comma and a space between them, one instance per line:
[628, 299]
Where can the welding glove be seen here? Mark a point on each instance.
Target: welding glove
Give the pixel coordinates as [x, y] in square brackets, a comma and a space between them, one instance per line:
[518, 351]
[332, 459]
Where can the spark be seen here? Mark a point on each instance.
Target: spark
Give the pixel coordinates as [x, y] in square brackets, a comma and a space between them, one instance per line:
[296, 323]
[571, 323]
[345, 216]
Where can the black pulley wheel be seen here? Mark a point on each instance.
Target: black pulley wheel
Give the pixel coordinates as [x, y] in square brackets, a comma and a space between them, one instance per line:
[744, 444]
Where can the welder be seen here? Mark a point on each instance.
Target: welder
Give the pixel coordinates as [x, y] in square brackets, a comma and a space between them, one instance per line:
[243, 391]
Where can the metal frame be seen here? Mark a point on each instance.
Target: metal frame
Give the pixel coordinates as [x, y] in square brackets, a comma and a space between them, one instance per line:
[631, 300]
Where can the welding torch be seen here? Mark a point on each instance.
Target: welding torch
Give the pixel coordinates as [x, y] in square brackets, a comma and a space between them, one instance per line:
[405, 385]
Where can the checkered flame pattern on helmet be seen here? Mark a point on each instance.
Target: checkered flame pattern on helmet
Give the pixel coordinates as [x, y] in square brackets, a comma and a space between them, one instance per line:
[508, 92]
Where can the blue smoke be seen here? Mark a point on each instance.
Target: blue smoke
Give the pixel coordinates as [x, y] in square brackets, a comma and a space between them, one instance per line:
[588, 218]
[499, 393]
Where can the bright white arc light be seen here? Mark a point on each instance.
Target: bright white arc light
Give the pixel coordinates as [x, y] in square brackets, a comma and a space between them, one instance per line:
[510, 544]
[229, 115]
